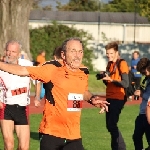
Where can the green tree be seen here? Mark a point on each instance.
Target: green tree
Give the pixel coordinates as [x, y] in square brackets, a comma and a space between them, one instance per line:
[79, 5]
[35, 5]
[119, 6]
[49, 37]
[144, 8]
[140, 6]
[49, 7]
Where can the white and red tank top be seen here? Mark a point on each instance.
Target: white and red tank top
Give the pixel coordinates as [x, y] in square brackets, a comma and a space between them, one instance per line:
[15, 89]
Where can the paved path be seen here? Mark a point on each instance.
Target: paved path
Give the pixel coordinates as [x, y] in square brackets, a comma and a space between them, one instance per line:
[34, 110]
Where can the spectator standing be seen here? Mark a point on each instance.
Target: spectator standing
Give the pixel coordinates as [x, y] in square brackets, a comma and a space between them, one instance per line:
[141, 124]
[23, 55]
[137, 74]
[115, 82]
[41, 58]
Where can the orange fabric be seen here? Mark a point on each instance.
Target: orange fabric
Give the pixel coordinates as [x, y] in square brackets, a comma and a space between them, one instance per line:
[113, 91]
[56, 119]
[40, 59]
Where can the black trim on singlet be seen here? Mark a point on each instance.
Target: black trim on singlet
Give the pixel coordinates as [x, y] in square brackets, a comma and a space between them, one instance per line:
[86, 71]
[49, 85]
[53, 62]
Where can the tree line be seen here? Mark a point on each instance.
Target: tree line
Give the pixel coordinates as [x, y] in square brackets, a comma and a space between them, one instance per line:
[52, 36]
[142, 7]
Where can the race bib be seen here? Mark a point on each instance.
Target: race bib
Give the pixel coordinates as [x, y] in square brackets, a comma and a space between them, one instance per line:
[74, 102]
[19, 91]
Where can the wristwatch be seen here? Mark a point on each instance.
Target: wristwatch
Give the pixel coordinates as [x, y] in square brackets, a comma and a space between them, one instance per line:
[90, 100]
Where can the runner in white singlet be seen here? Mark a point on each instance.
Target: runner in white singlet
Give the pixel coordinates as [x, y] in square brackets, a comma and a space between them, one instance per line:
[14, 101]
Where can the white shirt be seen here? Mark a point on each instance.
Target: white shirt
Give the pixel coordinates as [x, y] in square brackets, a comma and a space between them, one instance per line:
[17, 88]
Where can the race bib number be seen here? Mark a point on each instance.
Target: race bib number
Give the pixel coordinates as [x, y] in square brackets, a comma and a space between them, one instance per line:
[74, 102]
[19, 91]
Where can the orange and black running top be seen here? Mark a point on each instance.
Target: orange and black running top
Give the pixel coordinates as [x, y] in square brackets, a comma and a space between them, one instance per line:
[63, 119]
[113, 91]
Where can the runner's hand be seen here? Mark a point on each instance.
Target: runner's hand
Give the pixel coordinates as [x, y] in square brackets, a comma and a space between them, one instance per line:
[37, 103]
[102, 110]
[100, 103]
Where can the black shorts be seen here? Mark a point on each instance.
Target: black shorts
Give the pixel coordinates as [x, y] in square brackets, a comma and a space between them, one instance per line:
[16, 113]
[50, 142]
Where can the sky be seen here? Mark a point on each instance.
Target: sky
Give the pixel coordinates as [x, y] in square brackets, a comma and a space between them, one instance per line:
[53, 2]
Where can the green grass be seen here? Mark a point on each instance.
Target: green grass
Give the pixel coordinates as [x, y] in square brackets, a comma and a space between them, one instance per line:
[96, 86]
[93, 130]
[94, 133]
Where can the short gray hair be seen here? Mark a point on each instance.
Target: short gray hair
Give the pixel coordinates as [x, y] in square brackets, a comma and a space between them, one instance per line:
[13, 42]
[69, 39]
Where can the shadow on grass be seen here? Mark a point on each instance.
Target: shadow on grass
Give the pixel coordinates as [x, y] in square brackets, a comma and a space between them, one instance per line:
[34, 135]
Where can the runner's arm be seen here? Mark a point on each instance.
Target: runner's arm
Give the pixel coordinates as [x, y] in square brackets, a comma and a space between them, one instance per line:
[87, 95]
[95, 100]
[14, 69]
[37, 93]
[37, 89]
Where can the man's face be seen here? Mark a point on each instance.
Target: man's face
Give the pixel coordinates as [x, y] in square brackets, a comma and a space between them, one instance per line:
[74, 54]
[12, 53]
[147, 73]
[135, 56]
[112, 55]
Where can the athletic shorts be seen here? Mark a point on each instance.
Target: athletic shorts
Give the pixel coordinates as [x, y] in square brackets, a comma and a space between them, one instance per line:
[16, 113]
[50, 142]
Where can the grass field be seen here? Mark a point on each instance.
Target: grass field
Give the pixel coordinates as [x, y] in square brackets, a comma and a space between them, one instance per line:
[96, 86]
[93, 130]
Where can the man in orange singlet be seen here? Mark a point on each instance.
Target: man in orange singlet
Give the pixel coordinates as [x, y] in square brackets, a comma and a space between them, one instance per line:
[60, 125]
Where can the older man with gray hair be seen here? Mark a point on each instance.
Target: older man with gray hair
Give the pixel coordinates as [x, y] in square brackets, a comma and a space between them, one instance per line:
[14, 100]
